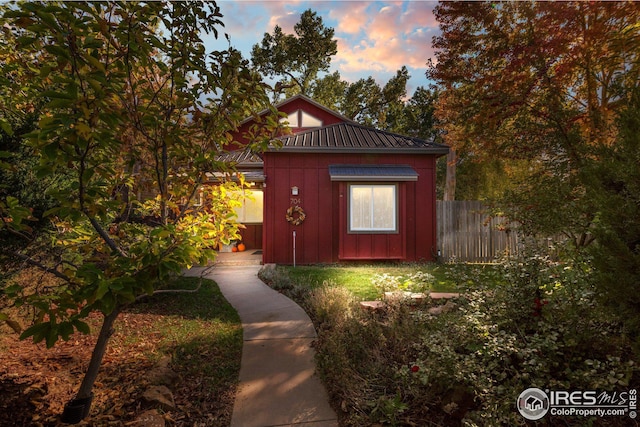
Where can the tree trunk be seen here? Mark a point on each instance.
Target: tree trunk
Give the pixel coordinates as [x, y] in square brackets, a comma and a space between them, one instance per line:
[78, 408]
[450, 182]
[86, 387]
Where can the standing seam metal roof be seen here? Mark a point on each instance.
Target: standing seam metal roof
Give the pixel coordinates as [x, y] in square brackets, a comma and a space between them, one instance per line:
[351, 136]
[241, 156]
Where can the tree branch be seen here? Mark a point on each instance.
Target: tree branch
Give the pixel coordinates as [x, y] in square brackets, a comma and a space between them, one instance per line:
[173, 291]
[38, 264]
[105, 236]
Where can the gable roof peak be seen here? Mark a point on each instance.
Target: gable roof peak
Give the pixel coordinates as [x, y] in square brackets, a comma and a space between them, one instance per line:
[278, 105]
[309, 100]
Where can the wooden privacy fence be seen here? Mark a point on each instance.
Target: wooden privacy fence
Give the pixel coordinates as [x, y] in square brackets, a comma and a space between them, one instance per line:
[467, 233]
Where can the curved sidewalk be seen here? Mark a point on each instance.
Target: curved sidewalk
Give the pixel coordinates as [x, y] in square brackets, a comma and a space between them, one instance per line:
[278, 385]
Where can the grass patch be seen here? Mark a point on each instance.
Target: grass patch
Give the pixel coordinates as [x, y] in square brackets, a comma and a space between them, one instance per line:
[357, 279]
[189, 316]
[203, 335]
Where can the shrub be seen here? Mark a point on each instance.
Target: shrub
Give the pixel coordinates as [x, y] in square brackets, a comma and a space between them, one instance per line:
[418, 282]
[531, 321]
[542, 330]
[331, 306]
[537, 324]
[358, 352]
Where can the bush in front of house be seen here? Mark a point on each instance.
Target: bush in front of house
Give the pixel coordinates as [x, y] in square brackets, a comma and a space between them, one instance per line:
[539, 326]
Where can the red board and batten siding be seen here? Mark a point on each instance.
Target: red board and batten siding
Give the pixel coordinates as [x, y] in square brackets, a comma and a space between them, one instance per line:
[323, 237]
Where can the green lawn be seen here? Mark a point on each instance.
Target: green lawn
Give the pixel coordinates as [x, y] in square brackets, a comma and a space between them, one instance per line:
[198, 327]
[448, 277]
[203, 335]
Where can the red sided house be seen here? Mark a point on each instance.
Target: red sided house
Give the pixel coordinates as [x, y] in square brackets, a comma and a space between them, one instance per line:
[338, 191]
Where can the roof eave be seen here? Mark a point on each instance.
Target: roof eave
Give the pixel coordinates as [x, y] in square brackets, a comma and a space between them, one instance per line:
[218, 178]
[437, 151]
[374, 178]
[249, 165]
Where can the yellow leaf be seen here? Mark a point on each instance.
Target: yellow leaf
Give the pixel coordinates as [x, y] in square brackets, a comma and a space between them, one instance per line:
[83, 130]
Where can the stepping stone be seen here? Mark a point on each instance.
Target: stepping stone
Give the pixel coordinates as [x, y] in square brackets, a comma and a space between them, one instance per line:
[439, 295]
[372, 305]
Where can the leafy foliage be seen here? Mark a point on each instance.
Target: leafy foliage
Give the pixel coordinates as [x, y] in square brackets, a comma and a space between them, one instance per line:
[329, 91]
[614, 184]
[136, 117]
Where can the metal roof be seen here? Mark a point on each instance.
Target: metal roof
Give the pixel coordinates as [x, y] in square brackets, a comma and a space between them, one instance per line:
[372, 173]
[243, 161]
[249, 176]
[242, 157]
[354, 138]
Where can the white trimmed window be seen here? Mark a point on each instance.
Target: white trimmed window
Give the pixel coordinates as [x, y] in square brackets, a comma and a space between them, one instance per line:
[373, 208]
[301, 119]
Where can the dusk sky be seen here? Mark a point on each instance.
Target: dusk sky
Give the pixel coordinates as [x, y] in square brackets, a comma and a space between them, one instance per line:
[375, 38]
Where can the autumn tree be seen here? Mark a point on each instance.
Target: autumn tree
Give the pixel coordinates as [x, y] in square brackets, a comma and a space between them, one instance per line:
[552, 88]
[129, 95]
[296, 58]
[541, 82]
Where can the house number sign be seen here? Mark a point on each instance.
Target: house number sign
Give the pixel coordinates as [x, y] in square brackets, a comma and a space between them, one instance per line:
[295, 201]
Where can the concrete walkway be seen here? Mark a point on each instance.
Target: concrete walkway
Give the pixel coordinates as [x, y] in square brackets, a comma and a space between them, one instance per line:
[278, 386]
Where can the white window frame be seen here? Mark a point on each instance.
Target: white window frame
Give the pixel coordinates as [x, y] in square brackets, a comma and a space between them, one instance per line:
[372, 229]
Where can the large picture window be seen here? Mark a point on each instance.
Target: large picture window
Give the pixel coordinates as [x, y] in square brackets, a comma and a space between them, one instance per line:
[373, 208]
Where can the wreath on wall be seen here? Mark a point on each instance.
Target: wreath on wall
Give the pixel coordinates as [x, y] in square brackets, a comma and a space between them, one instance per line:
[291, 215]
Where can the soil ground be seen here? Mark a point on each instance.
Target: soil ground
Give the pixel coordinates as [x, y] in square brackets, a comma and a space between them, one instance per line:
[36, 382]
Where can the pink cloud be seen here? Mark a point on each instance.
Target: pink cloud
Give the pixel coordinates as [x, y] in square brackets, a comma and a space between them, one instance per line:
[286, 21]
[391, 36]
[385, 23]
[281, 13]
[351, 16]
[420, 14]
[389, 55]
